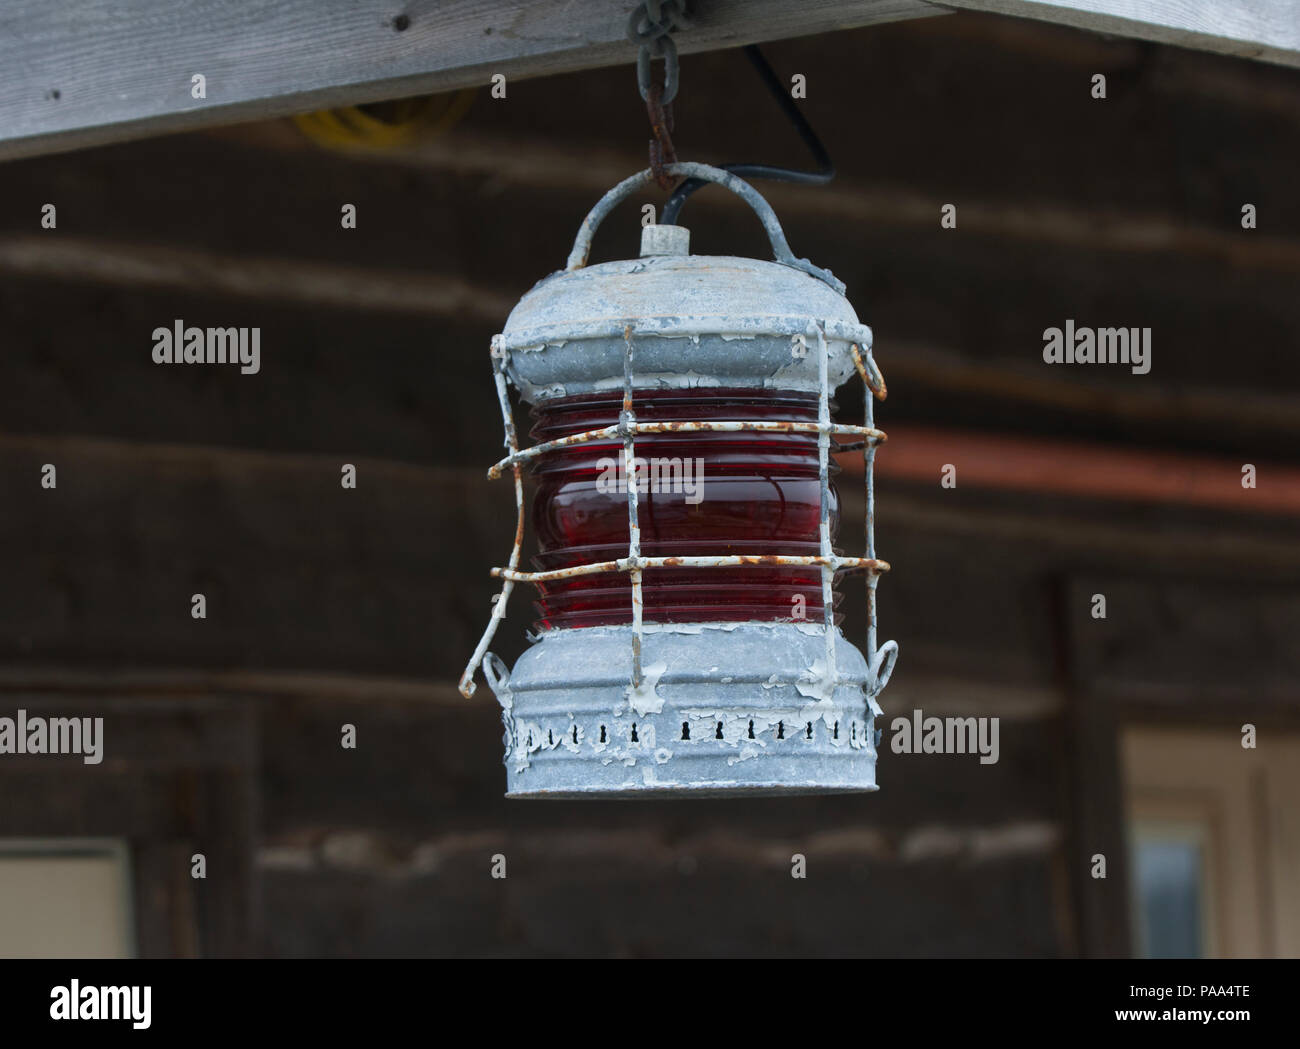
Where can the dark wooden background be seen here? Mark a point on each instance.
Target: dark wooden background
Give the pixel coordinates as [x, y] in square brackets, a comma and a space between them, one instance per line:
[328, 606]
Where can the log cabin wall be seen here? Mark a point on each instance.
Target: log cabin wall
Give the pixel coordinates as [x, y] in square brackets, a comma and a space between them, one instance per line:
[329, 606]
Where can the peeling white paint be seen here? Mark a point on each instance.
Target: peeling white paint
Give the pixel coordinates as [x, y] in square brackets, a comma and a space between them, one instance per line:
[731, 719]
[645, 698]
[815, 683]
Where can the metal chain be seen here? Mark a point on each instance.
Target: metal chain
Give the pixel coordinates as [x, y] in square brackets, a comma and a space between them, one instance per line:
[650, 26]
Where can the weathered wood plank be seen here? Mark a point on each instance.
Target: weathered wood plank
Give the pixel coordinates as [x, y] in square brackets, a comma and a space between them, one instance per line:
[1221, 651]
[58, 800]
[165, 924]
[529, 161]
[1263, 29]
[651, 898]
[99, 72]
[278, 280]
[1083, 470]
[295, 569]
[140, 733]
[182, 686]
[89, 75]
[1096, 850]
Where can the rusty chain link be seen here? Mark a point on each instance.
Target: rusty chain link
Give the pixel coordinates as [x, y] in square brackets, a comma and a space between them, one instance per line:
[650, 26]
[662, 151]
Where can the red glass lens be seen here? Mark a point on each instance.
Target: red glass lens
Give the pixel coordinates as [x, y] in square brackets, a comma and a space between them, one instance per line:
[698, 494]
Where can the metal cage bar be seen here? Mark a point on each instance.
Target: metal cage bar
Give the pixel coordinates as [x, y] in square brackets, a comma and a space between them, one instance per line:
[499, 356]
[627, 420]
[717, 426]
[834, 563]
[824, 480]
[635, 565]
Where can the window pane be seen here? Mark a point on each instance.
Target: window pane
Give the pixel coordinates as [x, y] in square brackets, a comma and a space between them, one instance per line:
[1170, 891]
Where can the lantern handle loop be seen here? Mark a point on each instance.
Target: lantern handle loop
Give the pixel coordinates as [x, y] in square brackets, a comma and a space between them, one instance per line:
[776, 236]
[882, 667]
[497, 674]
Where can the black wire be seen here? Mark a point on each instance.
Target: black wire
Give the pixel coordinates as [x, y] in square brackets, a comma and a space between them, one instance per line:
[825, 169]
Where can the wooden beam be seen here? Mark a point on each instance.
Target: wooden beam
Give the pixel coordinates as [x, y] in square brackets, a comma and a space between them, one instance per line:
[929, 367]
[369, 852]
[548, 166]
[942, 695]
[1095, 791]
[1081, 470]
[95, 72]
[569, 897]
[183, 685]
[263, 279]
[1059, 530]
[1267, 30]
[1222, 652]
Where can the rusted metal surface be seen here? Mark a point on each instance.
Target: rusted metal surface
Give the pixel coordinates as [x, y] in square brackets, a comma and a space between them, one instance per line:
[829, 562]
[869, 372]
[881, 659]
[718, 426]
[662, 152]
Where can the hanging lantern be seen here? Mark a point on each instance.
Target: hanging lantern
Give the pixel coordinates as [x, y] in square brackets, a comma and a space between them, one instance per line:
[685, 524]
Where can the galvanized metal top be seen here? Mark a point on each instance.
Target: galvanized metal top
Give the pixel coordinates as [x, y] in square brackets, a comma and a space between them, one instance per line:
[696, 320]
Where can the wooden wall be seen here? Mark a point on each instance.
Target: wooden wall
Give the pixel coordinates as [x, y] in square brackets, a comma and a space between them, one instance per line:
[329, 606]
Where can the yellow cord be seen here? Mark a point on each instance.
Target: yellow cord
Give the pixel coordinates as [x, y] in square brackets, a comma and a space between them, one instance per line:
[413, 119]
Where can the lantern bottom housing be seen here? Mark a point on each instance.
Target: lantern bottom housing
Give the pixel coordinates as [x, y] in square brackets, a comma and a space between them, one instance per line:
[722, 709]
